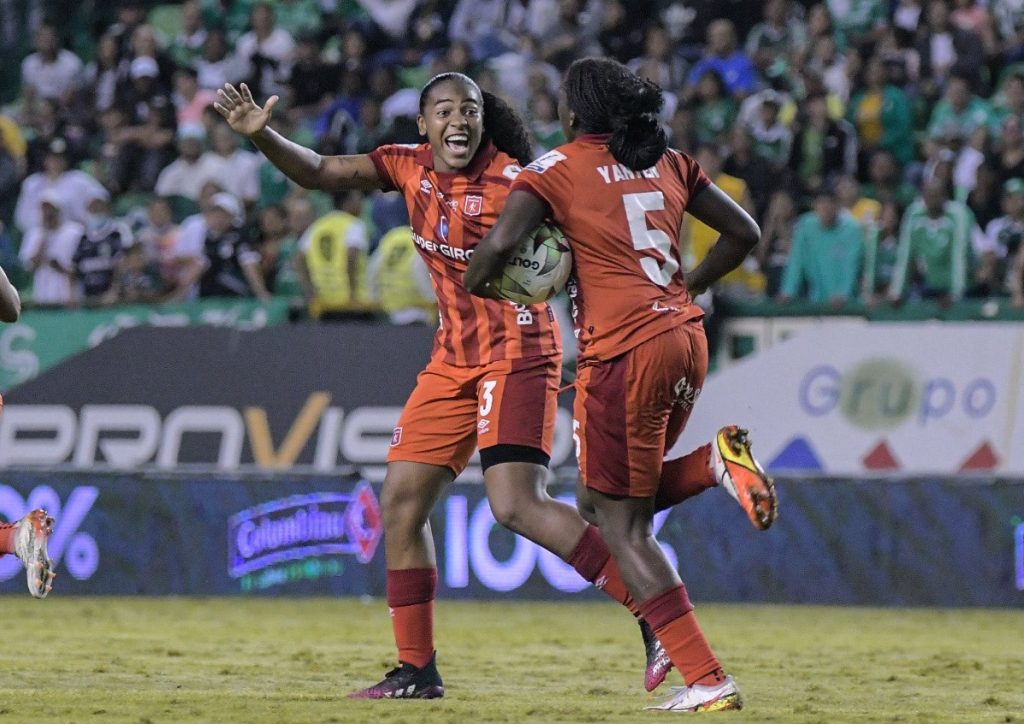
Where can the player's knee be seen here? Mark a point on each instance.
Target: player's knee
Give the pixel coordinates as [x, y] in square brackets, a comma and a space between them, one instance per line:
[401, 507]
[508, 513]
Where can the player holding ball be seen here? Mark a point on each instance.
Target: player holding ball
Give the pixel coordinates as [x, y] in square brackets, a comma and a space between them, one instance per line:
[619, 194]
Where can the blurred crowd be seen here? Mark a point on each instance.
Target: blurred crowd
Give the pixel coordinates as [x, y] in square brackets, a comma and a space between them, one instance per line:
[879, 143]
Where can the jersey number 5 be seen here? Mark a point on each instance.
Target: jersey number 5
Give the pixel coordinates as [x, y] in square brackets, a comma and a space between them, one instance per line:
[637, 206]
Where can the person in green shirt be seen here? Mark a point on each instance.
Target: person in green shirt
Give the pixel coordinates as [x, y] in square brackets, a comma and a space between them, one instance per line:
[825, 256]
[880, 247]
[881, 114]
[935, 241]
[961, 112]
[716, 110]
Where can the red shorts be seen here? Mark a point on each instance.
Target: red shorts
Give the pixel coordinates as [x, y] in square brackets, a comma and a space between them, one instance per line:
[631, 409]
[453, 410]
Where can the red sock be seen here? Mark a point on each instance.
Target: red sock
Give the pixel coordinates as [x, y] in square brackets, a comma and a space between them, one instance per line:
[7, 531]
[411, 594]
[592, 560]
[670, 615]
[685, 477]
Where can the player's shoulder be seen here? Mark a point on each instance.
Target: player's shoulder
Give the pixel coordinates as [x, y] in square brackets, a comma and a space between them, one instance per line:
[503, 168]
[402, 151]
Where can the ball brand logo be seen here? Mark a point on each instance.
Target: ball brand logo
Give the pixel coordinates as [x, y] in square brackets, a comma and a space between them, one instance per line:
[304, 526]
[473, 205]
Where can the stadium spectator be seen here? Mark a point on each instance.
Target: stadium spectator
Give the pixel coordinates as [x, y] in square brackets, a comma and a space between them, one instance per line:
[233, 169]
[828, 63]
[136, 279]
[744, 164]
[299, 216]
[102, 74]
[485, 25]
[779, 37]
[776, 239]
[544, 123]
[864, 210]
[232, 267]
[312, 80]
[1002, 243]
[52, 72]
[723, 56]
[10, 302]
[985, 200]
[332, 259]
[267, 49]
[621, 35]
[99, 250]
[271, 235]
[881, 244]
[934, 253]
[960, 112]
[185, 176]
[773, 141]
[189, 99]
[130, 14]
[398, 281]
[822, 147]
[946, 49]
[698, 238]
[857, 20]
[75, 189]
[47, 251]
[659, 63]
[885, 182]
[187, 46]
[825, 256]
[1009, 160]
[880, 113]
[716, 110]
[218, 65]
[157, 236]
[10, 178]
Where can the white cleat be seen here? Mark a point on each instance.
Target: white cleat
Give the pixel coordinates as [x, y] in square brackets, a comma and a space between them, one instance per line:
[30, 539]
[699, 699]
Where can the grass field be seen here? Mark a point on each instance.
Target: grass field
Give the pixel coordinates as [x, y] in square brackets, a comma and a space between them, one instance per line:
[235, 660]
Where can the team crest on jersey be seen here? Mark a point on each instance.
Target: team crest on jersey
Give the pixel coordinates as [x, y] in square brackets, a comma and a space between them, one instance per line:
[396, 436]
[473, 205]
[425, 186]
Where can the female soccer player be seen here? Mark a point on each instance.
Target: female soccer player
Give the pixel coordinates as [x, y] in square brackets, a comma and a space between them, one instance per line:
[25, 538]
[619, 194]
[493, 375]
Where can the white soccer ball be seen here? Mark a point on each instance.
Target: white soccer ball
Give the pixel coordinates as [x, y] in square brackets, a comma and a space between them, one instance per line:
[538, 269]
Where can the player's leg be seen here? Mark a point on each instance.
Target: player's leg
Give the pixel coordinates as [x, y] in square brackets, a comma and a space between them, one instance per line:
[430, 446]
[627, 411]
[518, 402]
[27, 539]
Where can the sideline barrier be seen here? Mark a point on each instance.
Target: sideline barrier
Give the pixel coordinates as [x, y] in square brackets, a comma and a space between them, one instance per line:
[837, 541]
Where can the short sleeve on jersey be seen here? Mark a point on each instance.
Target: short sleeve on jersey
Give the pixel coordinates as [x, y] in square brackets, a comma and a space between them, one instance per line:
[692, 174]
[387, 161]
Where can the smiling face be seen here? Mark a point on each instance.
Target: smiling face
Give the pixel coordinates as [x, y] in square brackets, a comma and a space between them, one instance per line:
[452, 120]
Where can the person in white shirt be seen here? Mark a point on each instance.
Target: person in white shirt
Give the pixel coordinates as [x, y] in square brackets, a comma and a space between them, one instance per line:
[186, 175]
[51, 72]
[234, 170]
[48, 251]
[269, 50]
[75, 189]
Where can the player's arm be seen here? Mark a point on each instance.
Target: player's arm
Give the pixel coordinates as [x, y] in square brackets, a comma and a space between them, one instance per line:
[10, 302]
[302, 165]
[739, 234]
[523, 213]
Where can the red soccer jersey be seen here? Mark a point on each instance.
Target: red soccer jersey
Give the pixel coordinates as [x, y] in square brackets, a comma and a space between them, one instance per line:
[449, 214]
[623, 227]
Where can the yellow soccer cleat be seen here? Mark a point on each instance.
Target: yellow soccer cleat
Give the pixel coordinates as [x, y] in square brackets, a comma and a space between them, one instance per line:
[699, 699]
[743, 477]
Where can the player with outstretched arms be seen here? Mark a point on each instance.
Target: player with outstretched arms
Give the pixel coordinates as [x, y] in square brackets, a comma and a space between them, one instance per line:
[619, 194]
[26, 538]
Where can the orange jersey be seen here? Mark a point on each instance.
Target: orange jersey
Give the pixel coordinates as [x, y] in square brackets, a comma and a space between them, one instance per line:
[623, 227]
[449, 214]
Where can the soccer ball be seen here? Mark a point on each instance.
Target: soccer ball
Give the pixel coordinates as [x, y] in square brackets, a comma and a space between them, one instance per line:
[538, 269]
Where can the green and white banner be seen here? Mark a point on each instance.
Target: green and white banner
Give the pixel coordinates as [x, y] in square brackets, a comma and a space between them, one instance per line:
[41, 339]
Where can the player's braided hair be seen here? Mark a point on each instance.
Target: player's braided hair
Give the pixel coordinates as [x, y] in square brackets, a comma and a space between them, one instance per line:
[502, 125]
[609, 98]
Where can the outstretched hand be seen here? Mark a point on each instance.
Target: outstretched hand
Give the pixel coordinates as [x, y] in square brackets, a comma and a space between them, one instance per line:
[240, 110]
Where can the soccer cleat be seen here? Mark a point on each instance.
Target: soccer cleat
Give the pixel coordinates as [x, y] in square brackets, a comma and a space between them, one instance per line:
[406, 682]
[742, 476]
[700, 699]
[30, 538]
[658, 662]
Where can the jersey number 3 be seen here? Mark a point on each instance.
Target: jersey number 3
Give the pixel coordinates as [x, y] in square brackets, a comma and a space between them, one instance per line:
[637, 206]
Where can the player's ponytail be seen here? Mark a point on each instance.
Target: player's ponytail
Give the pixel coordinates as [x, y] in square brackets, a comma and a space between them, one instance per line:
[506, 129]
[607, 97]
